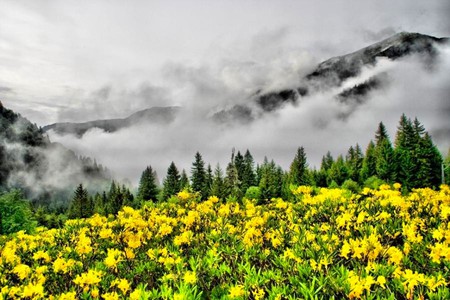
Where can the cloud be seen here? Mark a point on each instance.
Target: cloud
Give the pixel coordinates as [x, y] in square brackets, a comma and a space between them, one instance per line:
[314, 123]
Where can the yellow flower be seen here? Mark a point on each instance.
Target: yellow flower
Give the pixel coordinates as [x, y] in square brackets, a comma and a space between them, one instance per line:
[41, 255]
[113, 257]
[111, 296]
[381, 280]
[190, 277]
[33, 291]
[22, 271]
[236, 291]
[68, 296]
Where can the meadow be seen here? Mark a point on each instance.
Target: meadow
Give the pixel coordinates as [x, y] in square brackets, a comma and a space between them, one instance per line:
[320, 244]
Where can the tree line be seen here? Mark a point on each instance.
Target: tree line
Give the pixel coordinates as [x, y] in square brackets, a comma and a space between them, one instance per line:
[411, 159]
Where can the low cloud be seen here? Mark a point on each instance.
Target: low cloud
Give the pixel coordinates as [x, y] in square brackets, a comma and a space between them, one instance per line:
[315, 123]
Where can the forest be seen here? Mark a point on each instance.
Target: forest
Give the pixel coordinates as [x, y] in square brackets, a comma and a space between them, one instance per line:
[412, 160]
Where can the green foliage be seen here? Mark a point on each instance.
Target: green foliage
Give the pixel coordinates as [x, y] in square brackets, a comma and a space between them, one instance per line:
[198, 176]
[253, 192]
[351, 186]
[82, 205]
[171, 184]
[15, 213]
[148, 188]
[218, 184]
[373, 182]
[298, 172]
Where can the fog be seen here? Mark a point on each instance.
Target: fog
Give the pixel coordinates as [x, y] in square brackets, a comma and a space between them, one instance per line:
[316, 123]
[76, 61]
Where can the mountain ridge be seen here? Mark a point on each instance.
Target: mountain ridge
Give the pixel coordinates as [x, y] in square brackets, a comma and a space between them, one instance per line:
[328, 74]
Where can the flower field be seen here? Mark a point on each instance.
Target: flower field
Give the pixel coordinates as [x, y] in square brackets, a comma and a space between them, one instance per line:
[322, 244]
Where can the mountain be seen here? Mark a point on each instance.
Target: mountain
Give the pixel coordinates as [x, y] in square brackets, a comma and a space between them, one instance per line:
[154, 115]
[328, 75]
[47, 172]
[335, 71]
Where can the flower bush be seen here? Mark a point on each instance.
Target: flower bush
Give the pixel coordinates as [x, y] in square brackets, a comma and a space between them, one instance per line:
[324, 244]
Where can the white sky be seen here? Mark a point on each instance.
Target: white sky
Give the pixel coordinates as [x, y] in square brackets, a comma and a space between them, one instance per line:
[82, 60]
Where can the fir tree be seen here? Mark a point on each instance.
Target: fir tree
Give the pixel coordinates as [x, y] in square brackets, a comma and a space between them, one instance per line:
[231, 182]
[369, 164]
[171, 184]
[184, 181]
[248, 176]
[148, 188]
[384, 154]
[338, 172]
[218, 186]
[198, 175]
[298, 172]
[354, 161]
[208, 181]
[81, 206]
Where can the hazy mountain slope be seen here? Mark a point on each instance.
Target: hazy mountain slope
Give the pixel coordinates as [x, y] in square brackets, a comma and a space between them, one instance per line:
[334, 71]
[154, 115]
[47, 172]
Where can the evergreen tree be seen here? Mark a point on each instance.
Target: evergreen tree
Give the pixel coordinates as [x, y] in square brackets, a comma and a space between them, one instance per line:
[248, 176]
[321, 177]
[231, 182]
[298, 172]
[218, 186]
[81, 206]
[198, 176]
[171, 184]
[446, 167]
[208, 181]
[271, 181]
[384, 154]
[338, 172]
[148, 188]
[430, 164]
[184, 181]
[354, 161]
[369, 164]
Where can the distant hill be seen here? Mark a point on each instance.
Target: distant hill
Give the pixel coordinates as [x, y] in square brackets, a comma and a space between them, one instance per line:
[47, 172]
[154, 115]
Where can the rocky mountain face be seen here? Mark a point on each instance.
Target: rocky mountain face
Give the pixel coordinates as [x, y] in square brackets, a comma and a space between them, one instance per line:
[329, 74]
[47, 172]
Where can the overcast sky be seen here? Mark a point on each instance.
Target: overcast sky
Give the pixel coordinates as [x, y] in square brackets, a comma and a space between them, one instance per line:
[83, 60]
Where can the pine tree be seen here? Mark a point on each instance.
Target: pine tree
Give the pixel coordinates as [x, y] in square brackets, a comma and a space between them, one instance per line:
[198, 175]
[81, 206]
[369, 164]
[171, 184]
[271, 181]
[430, 159]
[248, 176]
[231, 182]
[384, 154]
[208, 181]
[184, 181]
[148, 188]
[298, 172]
[218, 186]
[354, 161]
[446, 167]
[338, 172]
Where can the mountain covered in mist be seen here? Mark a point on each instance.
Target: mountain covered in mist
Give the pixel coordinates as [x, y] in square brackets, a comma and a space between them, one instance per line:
[47, 172]
[330, 75]
[154, 115]
[333, 73]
